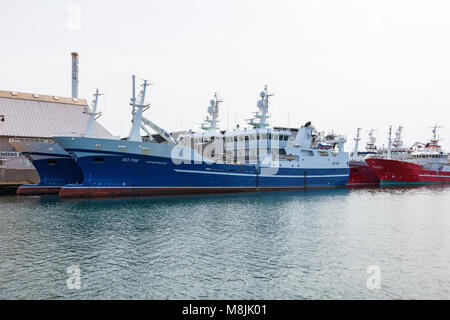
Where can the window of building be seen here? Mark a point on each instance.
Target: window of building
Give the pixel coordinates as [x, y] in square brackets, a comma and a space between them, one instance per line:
[26, 163]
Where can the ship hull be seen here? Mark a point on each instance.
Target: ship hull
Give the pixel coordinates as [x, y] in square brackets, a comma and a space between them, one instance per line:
[404, 173]
[361, 174]
[53, 164]
[109, 174]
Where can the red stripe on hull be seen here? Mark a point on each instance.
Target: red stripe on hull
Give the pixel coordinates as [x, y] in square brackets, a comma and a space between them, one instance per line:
[361, 174]
[32, 191]
[100, 192]
[404, 171]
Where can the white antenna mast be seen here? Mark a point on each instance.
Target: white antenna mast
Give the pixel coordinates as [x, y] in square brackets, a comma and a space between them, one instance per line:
[389, 148]
[89, 132]
[398, 141]
[435, 133]
[370, 146]
[210, 124]
[261, 117]
[357, 139]
[138, 109]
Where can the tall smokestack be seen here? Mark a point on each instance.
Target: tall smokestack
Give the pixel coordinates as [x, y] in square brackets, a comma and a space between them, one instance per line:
[74, 75]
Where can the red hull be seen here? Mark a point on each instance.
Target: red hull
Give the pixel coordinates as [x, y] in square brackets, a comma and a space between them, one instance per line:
[108, 192]
[392, 172]
[361, 174]
[36, 190]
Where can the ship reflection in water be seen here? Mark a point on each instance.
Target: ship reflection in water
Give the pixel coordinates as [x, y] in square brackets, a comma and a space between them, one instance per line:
[278, 245]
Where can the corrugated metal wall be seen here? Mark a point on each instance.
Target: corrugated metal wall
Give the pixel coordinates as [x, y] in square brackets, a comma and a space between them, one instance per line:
[25, 118]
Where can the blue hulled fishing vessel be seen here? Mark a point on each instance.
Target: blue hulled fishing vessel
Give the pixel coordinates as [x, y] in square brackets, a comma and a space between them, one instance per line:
[250, 159]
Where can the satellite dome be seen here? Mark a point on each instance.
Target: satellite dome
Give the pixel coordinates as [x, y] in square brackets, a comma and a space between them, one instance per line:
[262, 94]
[212, 102]
[211, 109]
[260, 104]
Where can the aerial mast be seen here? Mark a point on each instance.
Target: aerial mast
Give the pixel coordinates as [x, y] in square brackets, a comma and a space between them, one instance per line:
[357, 139]
[370, 146]
[389, 148]
[262, 116]
[398, 141]
[210, 124]
[92, 115]
[138, 109]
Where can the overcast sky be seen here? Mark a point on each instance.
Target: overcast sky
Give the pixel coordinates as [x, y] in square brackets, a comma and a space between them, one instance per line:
[340, 64]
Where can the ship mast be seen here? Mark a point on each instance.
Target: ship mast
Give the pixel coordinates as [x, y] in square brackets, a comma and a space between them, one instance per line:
[357, 139]
[398, 141]
[435, 139]
[435, 134]
[210, 124]
[389, 148]
[89, 132]
[138, 109]
[261, 117]
[370, 146]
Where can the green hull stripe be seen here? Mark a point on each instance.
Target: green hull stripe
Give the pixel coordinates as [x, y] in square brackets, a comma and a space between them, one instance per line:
[386, 183]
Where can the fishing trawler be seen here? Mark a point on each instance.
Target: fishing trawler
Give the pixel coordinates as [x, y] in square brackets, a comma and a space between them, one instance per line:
[255, 159]
[427, 164]
[361, 174]
[54, 165]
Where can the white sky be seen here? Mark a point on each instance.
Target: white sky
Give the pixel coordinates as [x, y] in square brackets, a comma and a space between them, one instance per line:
[341, 64]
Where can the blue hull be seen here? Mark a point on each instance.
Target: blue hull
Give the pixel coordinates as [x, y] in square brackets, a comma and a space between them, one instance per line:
[54, 172]
[116, 174]
[58, 171]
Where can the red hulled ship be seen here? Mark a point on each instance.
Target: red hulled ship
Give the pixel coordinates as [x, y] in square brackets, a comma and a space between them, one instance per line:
[361, 174]
[427, 164]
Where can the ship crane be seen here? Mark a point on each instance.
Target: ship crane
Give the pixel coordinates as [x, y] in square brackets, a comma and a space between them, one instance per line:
[148, 133]
[139, 121]
[163, 133]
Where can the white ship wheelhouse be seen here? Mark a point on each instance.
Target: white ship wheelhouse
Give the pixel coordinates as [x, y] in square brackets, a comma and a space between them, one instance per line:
[253, 145]
[431, 156]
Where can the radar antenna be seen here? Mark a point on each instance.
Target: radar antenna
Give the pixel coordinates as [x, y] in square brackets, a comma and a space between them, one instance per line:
[210, 124]
[261, 117]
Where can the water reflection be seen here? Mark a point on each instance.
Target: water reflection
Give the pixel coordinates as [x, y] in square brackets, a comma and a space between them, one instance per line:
[314, 243]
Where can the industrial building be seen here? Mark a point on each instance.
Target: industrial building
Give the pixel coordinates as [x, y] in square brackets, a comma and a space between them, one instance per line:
[36, 116]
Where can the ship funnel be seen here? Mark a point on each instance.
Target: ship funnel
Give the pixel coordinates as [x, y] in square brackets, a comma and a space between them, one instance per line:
[74, 75]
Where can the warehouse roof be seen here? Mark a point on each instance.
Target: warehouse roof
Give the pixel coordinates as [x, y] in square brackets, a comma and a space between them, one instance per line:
[35, 115]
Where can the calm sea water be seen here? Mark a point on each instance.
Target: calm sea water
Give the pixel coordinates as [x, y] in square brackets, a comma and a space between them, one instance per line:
[282, 245]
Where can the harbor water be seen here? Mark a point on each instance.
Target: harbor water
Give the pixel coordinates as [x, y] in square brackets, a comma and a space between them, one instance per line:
[388, 243]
